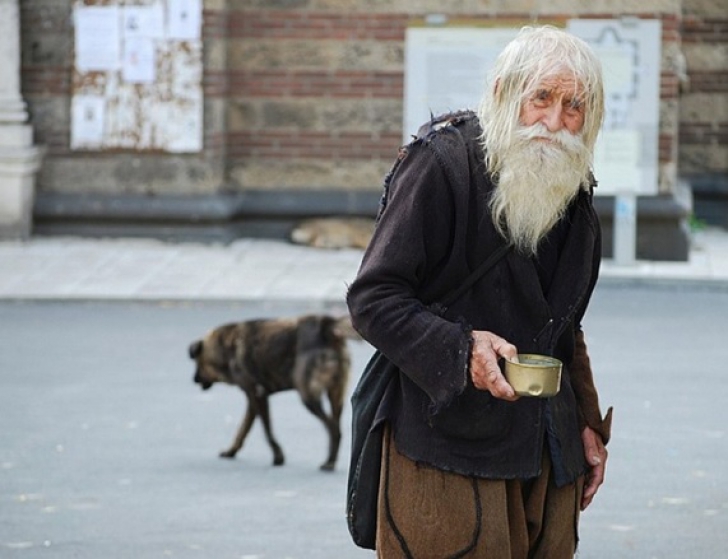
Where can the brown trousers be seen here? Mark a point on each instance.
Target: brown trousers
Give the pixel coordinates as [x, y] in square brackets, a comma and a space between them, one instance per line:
[425, 513]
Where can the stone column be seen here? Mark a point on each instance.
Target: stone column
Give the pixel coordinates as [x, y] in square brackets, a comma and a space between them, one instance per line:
[19, 159]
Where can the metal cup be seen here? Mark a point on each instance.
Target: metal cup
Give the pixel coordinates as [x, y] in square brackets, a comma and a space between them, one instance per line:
[534, 375]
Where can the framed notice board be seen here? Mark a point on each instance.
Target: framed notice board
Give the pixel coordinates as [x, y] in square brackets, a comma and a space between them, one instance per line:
[137, 76]
[446, 68]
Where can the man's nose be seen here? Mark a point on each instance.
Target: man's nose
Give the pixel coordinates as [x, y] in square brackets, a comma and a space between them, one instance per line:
[552, 118]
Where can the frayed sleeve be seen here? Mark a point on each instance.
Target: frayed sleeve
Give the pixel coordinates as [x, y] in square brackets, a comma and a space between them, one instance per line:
[582, 381]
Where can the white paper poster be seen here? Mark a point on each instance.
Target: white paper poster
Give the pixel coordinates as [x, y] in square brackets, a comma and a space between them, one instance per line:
[139, 64]
[446, 69]
[136, 87]
[184, 19]
[616, 160]
[626, 157]
[144, 21]
[88, 113]
[97, 38]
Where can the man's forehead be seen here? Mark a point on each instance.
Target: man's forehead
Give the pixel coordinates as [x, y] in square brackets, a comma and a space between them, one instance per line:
[563, 83]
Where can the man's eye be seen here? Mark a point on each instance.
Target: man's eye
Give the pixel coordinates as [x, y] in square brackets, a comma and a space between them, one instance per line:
[574, 105]
[541, 97]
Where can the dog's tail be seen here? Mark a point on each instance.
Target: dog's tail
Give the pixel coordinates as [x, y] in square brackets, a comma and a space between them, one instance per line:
[344, 328]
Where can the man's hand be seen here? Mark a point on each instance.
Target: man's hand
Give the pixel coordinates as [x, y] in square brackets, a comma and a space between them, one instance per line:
[596, 457]
[484, 369]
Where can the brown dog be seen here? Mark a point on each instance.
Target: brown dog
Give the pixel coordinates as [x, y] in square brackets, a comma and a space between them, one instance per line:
[266, 356]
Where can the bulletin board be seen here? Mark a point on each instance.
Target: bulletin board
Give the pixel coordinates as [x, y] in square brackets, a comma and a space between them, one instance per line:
[137, 76]
[446, 69]
[626, 157]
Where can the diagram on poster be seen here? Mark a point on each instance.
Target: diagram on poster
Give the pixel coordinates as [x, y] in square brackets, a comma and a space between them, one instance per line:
[626, 156]
[137, 77]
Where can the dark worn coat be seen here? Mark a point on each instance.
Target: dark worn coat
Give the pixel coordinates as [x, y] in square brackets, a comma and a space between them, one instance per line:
[433, 230]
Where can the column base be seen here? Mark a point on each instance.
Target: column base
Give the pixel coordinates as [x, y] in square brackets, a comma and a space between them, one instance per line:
[18, 167]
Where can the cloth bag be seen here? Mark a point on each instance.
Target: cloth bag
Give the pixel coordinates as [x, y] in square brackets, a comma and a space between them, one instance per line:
[366, 449]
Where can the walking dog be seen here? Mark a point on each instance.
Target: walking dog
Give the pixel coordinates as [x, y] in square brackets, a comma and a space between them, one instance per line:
[266, 356]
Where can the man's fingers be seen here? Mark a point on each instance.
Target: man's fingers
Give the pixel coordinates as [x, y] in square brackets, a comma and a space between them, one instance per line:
[486, 374]
[505, 391]
[596, 456]
[593, 454]
[494, 382]
[594, 480]
[503, 348]
[586, 501]
[492, 372]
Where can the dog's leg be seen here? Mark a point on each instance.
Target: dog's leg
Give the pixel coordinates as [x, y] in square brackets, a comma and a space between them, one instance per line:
[315, 406]
[243, 431]
[336, 394]
[262, 403]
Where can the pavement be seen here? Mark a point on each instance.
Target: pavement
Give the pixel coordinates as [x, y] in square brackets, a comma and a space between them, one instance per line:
[109, 450]
[70, 268]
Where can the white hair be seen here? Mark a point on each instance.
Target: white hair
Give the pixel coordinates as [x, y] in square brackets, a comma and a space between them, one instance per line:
[536, 183]
[535, 54]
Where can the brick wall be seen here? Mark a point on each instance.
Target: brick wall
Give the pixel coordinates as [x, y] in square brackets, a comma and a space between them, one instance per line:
[47, 47]
[316, 86]
[704, 102]
[315, 95]
[307, 94]
[47, 58]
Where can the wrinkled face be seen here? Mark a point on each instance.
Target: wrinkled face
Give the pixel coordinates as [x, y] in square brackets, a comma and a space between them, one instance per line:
[543, 164]
[558, 103]
[207, 372]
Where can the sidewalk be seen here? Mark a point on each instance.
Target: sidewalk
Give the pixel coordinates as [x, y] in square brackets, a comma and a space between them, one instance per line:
[60, 268]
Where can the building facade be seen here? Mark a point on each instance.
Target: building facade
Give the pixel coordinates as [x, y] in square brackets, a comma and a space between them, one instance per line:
[303, 111]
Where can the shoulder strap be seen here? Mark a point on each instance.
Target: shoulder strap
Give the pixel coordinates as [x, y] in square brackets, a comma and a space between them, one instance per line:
[479, 272]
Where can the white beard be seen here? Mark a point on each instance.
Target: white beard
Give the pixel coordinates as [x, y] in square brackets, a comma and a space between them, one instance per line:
[536, 182]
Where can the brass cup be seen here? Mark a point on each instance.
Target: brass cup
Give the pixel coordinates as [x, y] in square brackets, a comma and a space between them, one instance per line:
[534, 375]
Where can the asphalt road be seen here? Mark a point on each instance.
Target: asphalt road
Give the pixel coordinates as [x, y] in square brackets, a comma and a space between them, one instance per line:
[107, 448]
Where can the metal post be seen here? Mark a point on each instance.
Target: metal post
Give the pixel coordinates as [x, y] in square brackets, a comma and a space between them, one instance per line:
[625, 228]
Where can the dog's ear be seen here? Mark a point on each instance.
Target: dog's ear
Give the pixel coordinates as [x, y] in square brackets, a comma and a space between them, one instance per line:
[195, 349]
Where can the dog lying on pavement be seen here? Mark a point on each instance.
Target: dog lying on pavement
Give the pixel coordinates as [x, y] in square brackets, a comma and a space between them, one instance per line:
[266, 356]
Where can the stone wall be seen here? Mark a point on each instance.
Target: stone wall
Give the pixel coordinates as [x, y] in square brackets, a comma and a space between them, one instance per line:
[704, 101]
[304, 103]
[316, 86]
[307, 94]
[703, 155]
[47, 74]
[315, 94]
